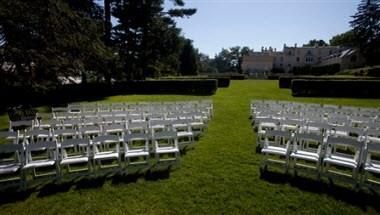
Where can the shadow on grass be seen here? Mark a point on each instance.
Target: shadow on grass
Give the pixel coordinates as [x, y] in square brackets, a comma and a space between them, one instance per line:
[11, 195]
[49, 187]
[346, 194]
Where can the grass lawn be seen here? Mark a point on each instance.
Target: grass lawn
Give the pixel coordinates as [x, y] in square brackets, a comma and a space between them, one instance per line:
[221, 175]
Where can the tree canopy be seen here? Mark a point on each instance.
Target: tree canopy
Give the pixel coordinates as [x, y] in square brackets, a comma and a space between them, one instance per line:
[316, 42]
[346, 39]
[366, 28]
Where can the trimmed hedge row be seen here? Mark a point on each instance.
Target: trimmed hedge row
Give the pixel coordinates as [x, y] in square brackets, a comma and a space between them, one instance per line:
[95, 91]
[286, 81]
[317, 70]
[336, 88]
[222, 81]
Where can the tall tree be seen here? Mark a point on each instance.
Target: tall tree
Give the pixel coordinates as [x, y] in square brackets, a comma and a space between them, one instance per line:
[188, 59]
[146, 35]
[366, 27]
[346, 39]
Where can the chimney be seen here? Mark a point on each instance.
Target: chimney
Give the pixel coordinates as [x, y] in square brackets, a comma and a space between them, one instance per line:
[295, 45]
[262, 48]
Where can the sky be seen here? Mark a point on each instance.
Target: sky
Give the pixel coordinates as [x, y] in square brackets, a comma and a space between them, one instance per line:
[255, 23]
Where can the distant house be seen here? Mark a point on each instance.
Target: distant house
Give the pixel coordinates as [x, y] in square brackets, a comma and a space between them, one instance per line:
[260, 63]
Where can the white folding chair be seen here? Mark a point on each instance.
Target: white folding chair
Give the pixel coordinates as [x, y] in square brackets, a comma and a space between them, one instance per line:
[21, 125]
[276, 144]
[36, 135]
[371, 160]
[137, 127]
[42, 155]
[184, 132]
[343, 152]
[90, 132]
[59, 112]
[116, 129]
[49, 124]
[136, 146]
[263, 125]
[159, 125]
[166, 143]
[198, 127]
[72, 123]
[307, 147]
[64, 134]
[106, 151]
[74, 160]
[11, 162]
[9, 137]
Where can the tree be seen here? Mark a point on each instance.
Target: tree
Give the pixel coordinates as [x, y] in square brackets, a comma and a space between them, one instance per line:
[146, 37]
[315, 42]
[43, 40]
[366, 27]
[346, 39]
[229, 60]
[188, 59]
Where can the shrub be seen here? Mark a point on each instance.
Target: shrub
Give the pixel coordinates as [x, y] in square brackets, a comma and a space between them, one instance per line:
[336, 88]
[320, 70]
[80, 92]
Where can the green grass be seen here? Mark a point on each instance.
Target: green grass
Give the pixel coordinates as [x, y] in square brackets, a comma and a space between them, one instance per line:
[221, 175]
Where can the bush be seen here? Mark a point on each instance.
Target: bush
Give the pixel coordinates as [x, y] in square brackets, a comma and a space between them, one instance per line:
[320, 70]
[286, 81]
[94, 91]
[222, 81]
[336, 88]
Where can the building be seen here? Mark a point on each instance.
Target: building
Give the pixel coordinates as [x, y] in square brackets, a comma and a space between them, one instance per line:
[260, 63]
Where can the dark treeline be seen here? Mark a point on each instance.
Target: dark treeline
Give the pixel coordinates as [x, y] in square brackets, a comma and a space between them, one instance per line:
[45, 41]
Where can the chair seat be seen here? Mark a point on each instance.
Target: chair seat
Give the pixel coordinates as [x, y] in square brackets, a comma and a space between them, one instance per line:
[162, 150]
[74, 160]
[106, 155]
[341, 133]
[374, 139]
[39, 163]
[304, 155]
[184, 134]
[9, 168]
[268, 125]
[341, 161]
[371, 167]
[289, 127]
[274, 150]
[136, 153]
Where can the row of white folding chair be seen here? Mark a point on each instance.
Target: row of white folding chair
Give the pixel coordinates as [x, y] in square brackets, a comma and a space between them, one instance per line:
[324, 152]
[133, 114]
[108, 107]
[102, 148]
[348, 110]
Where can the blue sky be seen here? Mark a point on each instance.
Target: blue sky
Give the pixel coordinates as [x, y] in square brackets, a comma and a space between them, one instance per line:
[225, 23]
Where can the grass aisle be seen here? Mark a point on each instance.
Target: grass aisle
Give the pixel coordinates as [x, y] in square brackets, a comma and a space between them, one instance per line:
[221, 175]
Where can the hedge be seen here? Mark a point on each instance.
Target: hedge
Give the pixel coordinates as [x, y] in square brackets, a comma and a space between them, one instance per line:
[286, 81]
[94, 91]
[336, 88]
[222, 81]
[317, 70]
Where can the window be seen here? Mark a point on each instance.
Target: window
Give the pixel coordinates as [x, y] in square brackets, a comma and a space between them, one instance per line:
[289, 65]
[309, 59]
[353, 58]
[298, 59]
[290, 53]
